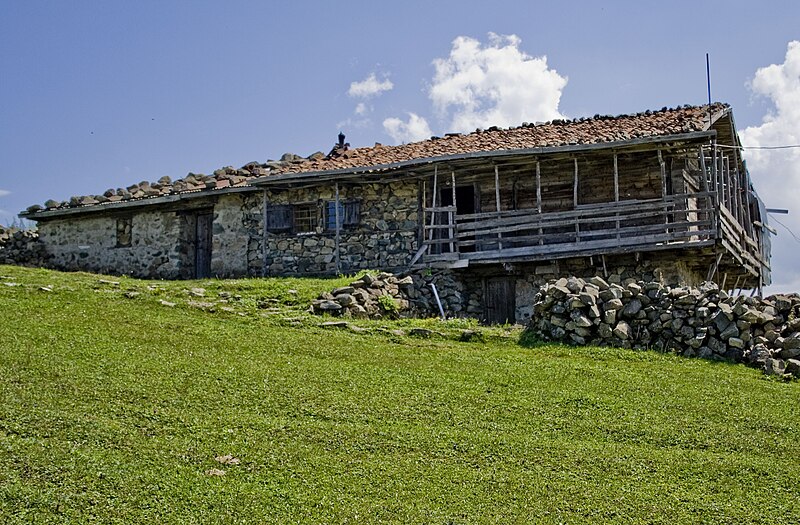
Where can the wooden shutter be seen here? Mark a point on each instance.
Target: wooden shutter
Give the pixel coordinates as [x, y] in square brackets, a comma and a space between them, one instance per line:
[279, 218]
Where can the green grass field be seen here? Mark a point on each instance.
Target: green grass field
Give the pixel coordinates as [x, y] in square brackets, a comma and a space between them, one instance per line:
[113, 408]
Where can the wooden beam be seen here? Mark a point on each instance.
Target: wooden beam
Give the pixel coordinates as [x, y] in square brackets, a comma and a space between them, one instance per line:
[663, 174]
[575, 183]
[451, 219]
[538, 187]
[336, 218]
[539, 193]
[616, 195]
[433, 199]
[497, 200]
[575, 198]
[264, 235]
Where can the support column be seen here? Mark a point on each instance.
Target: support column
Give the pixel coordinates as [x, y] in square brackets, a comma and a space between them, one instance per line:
[497, 201]
[336, 218]
[264, 236]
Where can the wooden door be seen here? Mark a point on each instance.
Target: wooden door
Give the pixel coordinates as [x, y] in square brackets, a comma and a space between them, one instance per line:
[202, 244]
[499, 300]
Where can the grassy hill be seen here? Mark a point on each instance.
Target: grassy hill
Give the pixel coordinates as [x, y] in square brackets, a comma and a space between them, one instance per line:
[127, 401]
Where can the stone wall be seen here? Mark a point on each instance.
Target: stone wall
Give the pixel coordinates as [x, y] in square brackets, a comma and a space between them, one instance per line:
[161, 239]
[699, 321]
[237, 235]
[22, 247]
[385, 236]
[90, 243]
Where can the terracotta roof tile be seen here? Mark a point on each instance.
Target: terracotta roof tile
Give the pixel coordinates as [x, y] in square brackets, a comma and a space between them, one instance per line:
[594, 130]
[556, 133]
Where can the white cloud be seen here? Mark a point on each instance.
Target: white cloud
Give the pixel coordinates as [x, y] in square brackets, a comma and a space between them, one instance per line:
[776, 173]
[416, 128]
[361, 109]
[369, 87]
[494, 85]
[3, 193]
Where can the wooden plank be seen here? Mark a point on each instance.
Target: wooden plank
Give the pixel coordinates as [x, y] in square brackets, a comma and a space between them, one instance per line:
[703, 228]
[641, 243]
[203, 242]
[556, 257]
[685, 225]
[433, 197]
[585, 209]
[336, 239]
[546, 220]
[538, 187]
[497, 196]
[264, 234]
[575, 183]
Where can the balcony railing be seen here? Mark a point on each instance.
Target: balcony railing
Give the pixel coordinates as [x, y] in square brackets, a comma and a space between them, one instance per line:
[613, 227]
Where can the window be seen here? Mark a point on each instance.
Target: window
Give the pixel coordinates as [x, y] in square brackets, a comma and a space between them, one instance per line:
[349, 214]
[305, 218]
[279, 218]
[124, 227]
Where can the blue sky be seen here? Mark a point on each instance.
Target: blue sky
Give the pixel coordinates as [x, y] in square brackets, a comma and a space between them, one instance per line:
[95, 95]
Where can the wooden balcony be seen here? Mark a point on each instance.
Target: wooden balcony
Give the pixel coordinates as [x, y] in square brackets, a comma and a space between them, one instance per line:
[674, 222]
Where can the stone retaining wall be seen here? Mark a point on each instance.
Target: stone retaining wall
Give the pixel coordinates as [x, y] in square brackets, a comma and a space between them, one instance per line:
[701, 322]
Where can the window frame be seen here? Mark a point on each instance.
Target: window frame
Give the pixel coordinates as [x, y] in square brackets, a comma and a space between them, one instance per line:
[122, 224]
[305, 211]
[349, 214]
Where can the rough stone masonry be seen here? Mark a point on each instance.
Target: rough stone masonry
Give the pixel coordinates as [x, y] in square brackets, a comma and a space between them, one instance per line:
[702, 322]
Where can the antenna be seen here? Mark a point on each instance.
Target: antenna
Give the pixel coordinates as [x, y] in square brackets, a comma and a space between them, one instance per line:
[708, 79]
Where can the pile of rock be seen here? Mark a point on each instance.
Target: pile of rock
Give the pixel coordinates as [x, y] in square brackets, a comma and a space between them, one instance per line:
[375, 296]
[22, 247]
[221, 178]
[701, 322]
[388, 295]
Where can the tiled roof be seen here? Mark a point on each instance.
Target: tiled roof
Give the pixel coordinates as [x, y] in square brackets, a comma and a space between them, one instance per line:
[598, 129]
[594, 130]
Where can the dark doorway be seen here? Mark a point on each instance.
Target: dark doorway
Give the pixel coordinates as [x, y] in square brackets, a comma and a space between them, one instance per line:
[500, 300]
[465, 205]
[202, 244]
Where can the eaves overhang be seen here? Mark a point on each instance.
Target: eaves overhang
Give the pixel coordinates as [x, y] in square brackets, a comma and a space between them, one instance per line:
[288, 178]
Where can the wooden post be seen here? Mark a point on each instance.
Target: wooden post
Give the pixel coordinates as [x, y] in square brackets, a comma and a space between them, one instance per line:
[746, 204]
[336, 218]
[704, 184]
[433, 200]
[715, 175]
[264, 236]
[616, 196]
[497, 201]
[450, 215]
[538, 188]
[539, 197]
[575, 199]
[575, 183]
[665, 207]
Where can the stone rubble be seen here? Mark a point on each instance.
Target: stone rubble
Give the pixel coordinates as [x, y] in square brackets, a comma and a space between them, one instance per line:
[406, 296]
[702, 322]
[221, 178]
[22, 247]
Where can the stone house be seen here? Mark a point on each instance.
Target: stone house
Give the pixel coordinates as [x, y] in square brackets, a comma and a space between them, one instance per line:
[660, 194]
